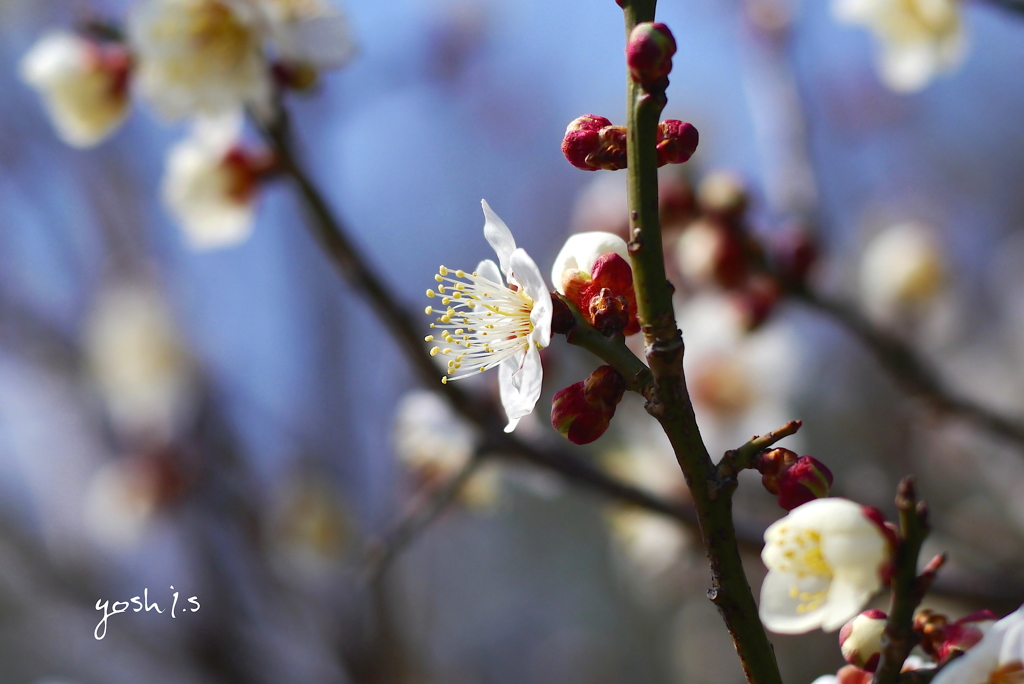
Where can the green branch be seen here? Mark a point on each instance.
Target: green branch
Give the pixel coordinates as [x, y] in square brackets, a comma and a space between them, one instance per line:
[667, 397]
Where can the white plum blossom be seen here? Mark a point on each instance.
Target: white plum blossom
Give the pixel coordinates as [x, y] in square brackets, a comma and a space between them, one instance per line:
[997, 659]
[207, 57]
[825, 560]
[582, 250]
[901, 272]
[83, 83]
[139, 362]
[200, 57]
[435, 443]
[917, 39]
[210, 184]
[488, 322]
[310, 32]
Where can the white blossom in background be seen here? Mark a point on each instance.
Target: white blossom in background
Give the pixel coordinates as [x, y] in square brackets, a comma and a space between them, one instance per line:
[211, 184]
[997, 659]
[120, 501]
[741, 382]
[917, 39]
[825, 560]
[138, 361]
[208, 57]
[200, 57]
[83, 83]
[308, 32]
[901, 272]
[310, 529]
[435, 443]
[486, 321]
[646, 545]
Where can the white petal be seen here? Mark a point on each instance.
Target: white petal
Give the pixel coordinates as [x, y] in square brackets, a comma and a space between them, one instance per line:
[520, 385]
[845, 601]
[526, 273]
[488, 269]
[778, 609]
[323, 41]
[219, 132]
[581, 250]
[499, 237]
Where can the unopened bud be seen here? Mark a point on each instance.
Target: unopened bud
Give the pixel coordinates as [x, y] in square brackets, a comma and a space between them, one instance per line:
[609, 313]
[723, 194]
[756, 300]
[942, 639]
[965, 633]
[709, 253]
[677, 141]
[592, 143]
[795, 480]
[247, 168]
[860, 639]
[794, 256]
[562, 318]
[583, 411]
[649, 52]
[300, 76]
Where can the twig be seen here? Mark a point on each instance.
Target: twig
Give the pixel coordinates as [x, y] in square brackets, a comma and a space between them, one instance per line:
[736, 460]
[417, 521]
[912, 372]
[1015, 6]
[908, 588]
[667, 397]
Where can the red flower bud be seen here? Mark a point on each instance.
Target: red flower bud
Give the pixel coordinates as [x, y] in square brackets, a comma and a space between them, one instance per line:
[583, 411]
[794, 479]
[612, 273]
[677, 141]
[860, 639]
[649, 52]
[591, 143]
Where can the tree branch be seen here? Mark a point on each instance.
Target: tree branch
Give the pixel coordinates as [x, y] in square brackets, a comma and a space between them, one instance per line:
[910, 371]
[667, 397]
[908, 588]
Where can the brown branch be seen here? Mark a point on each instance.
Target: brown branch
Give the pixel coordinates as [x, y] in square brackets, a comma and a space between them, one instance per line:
[911, 372]
[410, 527]
[667, 397]
[908, 588]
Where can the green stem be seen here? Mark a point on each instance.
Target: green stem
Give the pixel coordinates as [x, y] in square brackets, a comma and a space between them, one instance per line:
[667, 398]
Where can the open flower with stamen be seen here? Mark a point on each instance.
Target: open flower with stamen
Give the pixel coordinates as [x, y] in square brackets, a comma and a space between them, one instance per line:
[486, 321]
[825, 560]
